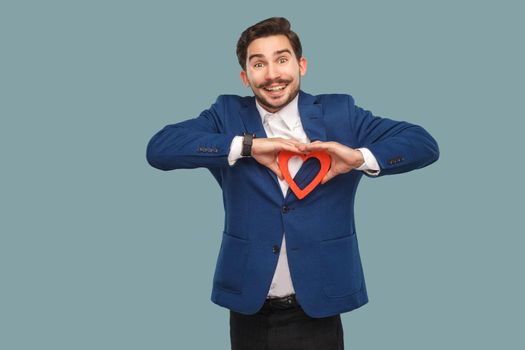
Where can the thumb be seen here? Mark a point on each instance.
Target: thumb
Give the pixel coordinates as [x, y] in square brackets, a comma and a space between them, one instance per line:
[329, 176]
[275, 168]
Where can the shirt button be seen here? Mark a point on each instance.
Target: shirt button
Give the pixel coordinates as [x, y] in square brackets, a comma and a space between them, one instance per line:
[275, 249]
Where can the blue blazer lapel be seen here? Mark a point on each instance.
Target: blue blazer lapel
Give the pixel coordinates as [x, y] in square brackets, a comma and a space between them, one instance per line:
[311, 114]
[252, 123]
[251, 118]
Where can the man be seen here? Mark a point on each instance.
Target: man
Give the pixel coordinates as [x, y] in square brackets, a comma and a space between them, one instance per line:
[287, 268]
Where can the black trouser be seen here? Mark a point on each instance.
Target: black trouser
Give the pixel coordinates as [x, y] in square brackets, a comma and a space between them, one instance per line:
[282, 325]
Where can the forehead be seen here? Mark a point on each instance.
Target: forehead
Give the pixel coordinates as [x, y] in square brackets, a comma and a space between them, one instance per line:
[267, 46]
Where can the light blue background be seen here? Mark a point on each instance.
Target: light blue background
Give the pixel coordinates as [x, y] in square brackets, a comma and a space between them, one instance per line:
[100, 251]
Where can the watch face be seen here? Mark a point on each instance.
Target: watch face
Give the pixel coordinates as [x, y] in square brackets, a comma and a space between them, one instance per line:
[247, 145]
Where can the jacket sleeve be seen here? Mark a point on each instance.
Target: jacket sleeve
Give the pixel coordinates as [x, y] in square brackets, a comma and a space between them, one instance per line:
[198, 142]
[397, 146]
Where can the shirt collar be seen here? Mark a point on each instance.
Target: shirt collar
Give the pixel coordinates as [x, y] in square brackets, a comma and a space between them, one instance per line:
[289, 113]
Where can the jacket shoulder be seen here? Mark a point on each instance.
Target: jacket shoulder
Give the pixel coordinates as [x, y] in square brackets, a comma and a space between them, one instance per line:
[233, 100]
[335, 98]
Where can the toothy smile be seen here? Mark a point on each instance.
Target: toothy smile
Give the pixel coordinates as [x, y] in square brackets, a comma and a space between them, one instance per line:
[275, 88]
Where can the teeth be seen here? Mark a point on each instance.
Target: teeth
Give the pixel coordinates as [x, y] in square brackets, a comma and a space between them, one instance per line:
[275, 88]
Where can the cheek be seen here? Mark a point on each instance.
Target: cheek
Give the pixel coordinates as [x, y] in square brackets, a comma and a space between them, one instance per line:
[293, 73]
[255, 80]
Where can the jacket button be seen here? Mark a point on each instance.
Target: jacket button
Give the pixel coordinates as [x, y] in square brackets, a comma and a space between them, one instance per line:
[285, 209]
[275, 249]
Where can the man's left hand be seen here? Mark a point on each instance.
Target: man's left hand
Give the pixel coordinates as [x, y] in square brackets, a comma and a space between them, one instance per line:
[343, 158]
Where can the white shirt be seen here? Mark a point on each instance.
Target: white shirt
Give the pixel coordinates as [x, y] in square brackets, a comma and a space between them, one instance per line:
[288, 120]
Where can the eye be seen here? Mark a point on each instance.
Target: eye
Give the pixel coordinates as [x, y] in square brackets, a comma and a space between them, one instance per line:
[258, 65]
[282, 60]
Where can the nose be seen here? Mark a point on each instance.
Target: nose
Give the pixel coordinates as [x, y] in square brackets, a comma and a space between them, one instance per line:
[272, 72]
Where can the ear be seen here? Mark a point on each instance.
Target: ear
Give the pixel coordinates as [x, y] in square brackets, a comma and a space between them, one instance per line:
[244, 78]
[303, 64]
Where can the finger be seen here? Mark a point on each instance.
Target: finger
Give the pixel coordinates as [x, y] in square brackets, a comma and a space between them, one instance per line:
[295, 141]
[329, 176]
[275, 168]
[302, 148]
[291, 148]
[292, 141]
[281, 142]
[293, 145]
[317, 147]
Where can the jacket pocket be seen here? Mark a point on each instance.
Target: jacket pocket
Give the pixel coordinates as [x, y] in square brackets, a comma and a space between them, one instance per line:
[229, 271]
[341, 266]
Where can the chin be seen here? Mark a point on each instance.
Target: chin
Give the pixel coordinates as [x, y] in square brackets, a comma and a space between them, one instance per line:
[273, 105]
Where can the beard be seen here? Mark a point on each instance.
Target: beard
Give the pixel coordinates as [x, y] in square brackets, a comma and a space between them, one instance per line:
[267, 103]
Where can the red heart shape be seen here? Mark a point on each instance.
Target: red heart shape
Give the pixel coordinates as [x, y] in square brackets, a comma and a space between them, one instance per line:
[324, 159]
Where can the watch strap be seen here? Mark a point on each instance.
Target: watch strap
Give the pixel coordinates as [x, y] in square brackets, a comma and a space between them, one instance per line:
[247, 142]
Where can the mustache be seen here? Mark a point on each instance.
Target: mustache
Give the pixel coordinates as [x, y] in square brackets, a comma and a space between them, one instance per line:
[277, 81]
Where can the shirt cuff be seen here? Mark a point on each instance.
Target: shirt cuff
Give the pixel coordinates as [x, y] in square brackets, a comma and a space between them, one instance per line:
[370, 166]
[235, 150]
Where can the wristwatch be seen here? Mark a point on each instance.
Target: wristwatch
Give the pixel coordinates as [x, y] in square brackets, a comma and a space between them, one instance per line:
[247, 140]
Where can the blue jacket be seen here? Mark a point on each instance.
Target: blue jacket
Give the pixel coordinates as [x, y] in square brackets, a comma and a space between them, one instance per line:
[322, 248]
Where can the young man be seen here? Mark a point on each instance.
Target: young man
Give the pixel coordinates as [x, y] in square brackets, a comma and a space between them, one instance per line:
[287, 268]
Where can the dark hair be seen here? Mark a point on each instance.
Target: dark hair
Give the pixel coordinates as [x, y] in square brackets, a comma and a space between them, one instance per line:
[268, 27]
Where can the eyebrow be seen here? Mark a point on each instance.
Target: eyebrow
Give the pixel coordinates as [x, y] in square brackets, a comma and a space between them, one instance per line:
[278, 52]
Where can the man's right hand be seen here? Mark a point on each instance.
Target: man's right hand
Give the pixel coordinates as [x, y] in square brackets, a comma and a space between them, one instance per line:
[266, 150]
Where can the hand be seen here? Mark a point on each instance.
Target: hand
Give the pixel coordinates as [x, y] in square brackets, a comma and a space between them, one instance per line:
[266, 150]
[343, 158]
